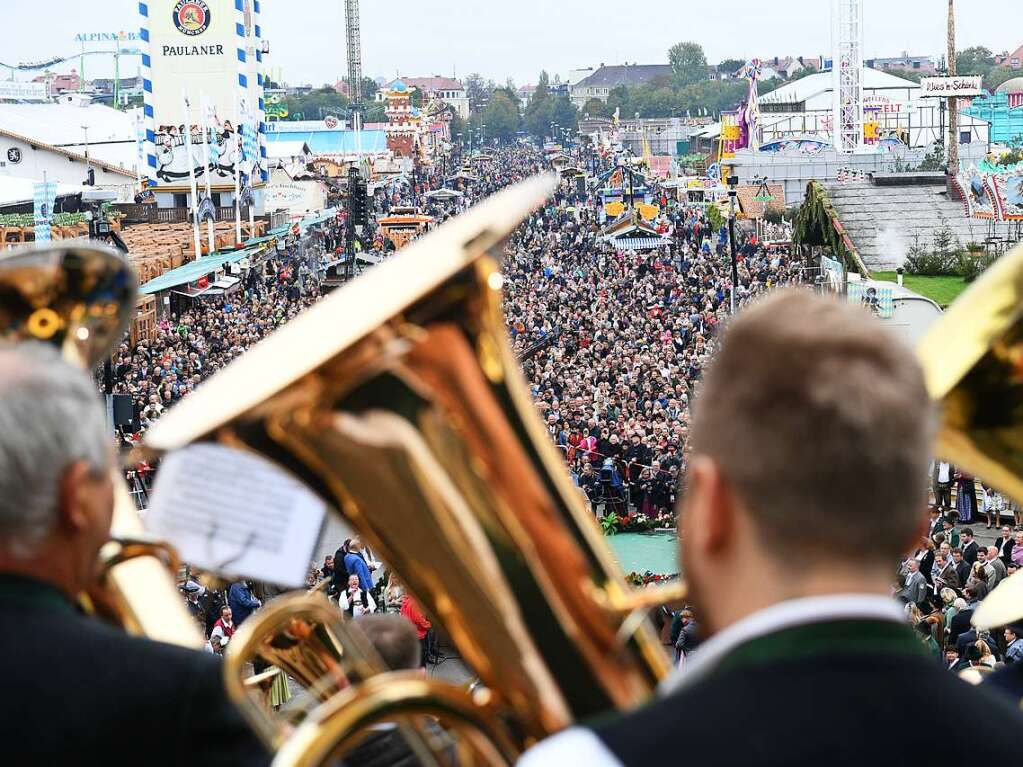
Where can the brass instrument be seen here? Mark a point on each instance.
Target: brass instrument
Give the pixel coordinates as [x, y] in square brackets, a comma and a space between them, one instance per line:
[973, 365]
[80, 297]
[398, 400]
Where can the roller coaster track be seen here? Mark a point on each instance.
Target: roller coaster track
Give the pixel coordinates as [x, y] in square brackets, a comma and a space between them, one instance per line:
[35, 66]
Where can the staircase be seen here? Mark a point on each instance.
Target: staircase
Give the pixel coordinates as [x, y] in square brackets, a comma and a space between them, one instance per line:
[884, 221]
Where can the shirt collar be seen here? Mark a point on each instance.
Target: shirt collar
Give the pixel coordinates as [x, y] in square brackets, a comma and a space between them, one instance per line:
[783, 615]
[20, 588]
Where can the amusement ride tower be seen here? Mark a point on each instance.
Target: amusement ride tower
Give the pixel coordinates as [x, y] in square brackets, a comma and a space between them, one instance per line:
[847, 74]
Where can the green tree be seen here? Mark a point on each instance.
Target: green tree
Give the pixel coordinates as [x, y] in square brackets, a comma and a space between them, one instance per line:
[564, 113]
[369, 89]
[540, 110]
[478, 91]
[620, 98]
[374, 112]
[688, 62]
[731, 66]
[997, 76]
[317, 104]
[977, 60]
[596, 108]
[501, 115]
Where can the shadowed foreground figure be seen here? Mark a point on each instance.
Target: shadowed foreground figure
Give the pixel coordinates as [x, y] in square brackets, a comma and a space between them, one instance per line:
[811, 440]
[77, 691]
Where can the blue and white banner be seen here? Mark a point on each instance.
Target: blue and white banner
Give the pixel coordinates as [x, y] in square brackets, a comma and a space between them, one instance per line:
[44, 196]
[878, 300]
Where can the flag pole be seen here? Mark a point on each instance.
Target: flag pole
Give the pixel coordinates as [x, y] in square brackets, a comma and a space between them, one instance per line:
[237, 185]
[187, 137]
[204, 126]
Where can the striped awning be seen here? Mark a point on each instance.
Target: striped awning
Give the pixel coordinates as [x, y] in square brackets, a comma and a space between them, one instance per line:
[639, 243]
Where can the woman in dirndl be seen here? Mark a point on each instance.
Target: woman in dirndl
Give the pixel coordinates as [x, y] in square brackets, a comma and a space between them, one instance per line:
[966, 497]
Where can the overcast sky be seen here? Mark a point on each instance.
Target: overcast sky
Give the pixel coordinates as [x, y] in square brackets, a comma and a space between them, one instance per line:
[518, 38]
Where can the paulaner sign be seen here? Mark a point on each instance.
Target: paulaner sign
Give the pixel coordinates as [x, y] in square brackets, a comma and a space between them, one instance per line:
[951, 87]
[193, 48]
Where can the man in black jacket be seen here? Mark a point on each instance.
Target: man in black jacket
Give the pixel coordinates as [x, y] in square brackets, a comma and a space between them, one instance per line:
[77, 691]
[807, 660]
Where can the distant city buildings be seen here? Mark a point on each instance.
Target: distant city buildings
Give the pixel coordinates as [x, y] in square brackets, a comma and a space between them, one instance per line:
[1013, 60]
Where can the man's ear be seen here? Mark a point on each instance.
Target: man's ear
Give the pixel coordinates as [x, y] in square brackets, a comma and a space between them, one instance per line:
[709, 509]
[72, 508]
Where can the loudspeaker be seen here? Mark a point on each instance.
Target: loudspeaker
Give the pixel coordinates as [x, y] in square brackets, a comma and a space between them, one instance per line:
[124, 413]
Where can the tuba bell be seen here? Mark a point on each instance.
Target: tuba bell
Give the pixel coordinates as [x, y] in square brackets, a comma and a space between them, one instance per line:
[398, 401]
[80, 298]
[973, 365]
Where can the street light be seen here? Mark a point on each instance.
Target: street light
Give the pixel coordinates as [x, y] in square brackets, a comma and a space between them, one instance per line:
[733, 183]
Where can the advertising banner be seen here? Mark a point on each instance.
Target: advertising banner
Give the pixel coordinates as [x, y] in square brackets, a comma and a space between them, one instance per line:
[206, 52]
[45, 194]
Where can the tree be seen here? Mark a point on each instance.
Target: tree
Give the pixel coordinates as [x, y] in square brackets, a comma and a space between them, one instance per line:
[540, 110]
[317, 104]
[688, 62]
[374, 112]
[977, 60]
[369, 89]
[478, 91]
[501, 115]
[564, 113]
[620, 98]
[997, 76]
[731, 66]
[596, 108]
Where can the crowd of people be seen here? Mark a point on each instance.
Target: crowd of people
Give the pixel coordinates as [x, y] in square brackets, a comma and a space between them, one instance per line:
[614, 344]
[613, 341]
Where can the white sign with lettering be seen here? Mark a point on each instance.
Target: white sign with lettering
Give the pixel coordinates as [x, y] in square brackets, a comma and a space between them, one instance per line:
[23, 91]
[951, 87]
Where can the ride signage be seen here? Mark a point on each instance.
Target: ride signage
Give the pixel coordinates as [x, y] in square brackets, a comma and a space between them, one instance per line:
[951, 87]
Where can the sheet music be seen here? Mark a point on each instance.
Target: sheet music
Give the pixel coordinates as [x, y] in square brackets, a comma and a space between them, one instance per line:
[235, 513]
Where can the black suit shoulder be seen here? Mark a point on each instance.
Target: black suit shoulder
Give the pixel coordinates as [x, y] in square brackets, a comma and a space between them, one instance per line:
[76, 687]
[841, 710]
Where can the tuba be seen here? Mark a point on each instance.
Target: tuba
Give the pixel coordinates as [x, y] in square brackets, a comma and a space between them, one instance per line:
[398, 401]
[80, 297]
[973, 365]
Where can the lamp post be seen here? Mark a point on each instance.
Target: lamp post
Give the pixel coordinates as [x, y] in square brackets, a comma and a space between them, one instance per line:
[88, 162]
[733, 182]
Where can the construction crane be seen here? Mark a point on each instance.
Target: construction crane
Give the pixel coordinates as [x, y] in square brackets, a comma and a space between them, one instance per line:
[847, 75]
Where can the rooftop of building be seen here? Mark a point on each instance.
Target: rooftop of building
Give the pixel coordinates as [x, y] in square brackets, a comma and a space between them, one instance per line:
[624, 74]
[333, 141]
[821, 82]
[111, 133]
[1015, 85]
[434, 83]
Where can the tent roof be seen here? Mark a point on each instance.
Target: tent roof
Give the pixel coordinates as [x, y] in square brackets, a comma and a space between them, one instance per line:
[332, 141]
[193, 270]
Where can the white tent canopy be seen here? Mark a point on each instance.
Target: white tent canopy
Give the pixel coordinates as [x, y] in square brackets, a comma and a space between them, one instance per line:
[444, 194]
[14, 189]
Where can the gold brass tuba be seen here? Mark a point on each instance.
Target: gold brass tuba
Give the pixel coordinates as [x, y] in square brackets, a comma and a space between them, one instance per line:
[398, 401]
[973, 364]
[80, 297]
